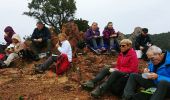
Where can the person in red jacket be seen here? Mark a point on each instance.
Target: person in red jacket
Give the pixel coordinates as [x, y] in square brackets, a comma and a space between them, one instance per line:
[127, 63]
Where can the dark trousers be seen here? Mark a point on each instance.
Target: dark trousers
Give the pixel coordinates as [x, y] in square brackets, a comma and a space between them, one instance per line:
[2, 48]
[163, 91]
[111, 81]
[37, 47]
[48, 62]
[133, 82]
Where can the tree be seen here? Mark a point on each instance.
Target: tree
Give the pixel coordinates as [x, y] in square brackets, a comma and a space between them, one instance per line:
[52, 12]
[82, 24]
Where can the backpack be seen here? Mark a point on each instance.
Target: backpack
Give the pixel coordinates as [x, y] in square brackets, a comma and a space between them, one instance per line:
[62, 64]
[26, 54]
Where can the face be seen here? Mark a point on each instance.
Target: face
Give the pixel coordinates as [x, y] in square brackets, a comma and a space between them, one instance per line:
[94, 26]
[144, 34]
[124, 47]
[40, 26]
[156, 58]
[110, 26]
[61, 38]
[15, 41]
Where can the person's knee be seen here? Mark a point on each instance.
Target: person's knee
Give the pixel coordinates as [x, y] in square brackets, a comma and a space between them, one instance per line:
[163, 83]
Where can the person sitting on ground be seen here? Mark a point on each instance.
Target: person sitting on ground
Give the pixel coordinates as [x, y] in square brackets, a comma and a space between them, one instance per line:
[110, 36]
[127, 63]
[64, 49]
[12, 50]
[41, 38]
[9, 32]
[93, 37]
[158, 71]
[143, 42]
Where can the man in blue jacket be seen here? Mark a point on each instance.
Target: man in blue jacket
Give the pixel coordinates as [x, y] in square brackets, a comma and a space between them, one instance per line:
[41, 38]
[157, 72]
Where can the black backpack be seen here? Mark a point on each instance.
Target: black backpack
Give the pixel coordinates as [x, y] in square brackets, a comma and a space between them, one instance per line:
[27, 54]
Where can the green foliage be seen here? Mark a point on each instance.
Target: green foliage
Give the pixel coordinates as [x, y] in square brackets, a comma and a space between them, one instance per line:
[52, 12]
[82, 24]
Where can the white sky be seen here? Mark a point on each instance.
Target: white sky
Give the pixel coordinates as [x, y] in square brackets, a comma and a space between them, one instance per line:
[125, 14]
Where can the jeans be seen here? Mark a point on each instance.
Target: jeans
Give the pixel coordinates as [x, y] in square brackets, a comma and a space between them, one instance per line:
[163, 91]
[10, 58]
[37, 47]
[133, 82]
[97, 42]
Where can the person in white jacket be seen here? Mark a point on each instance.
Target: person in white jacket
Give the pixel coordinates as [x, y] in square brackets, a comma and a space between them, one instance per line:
[63, 47]
[12, 50]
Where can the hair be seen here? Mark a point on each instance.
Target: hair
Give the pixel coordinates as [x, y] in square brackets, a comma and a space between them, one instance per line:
[109, 23]
[145, 30]
[9, 29]
[39, 22]
[62, 35]
[95, 23]
[154, 49]
[126, 41]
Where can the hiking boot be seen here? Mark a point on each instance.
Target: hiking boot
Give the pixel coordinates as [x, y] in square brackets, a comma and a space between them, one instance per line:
[97, 92]
[2, 64]
[38, 69]
[89, 85]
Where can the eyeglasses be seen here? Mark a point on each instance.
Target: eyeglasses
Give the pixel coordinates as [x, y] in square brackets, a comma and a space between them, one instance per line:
[122, 45]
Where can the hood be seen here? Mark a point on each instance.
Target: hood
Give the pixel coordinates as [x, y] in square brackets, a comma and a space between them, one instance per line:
[16, 36]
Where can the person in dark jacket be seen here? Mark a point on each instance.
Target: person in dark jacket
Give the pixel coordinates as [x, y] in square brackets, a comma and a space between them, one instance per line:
[41, 38]
[110, 36]
[143, 42]
[127, 63]
[158, 71]
[93, 37]
[9, 32]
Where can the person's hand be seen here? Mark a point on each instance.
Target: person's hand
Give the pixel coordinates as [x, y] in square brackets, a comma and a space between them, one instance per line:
[57, 45]
[152, 76]
[113, 69]
[35, 40]
[40, 40]
[113, 35]
[146, 70]
[149, 45]
[5, 35]
[95, 36]
[141, 48]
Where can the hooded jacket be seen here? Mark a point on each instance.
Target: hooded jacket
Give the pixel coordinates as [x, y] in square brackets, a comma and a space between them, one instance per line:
[90, 33]
[108, 32]
[163, 71]
[8, 38]
[128, 63]
[17, 46]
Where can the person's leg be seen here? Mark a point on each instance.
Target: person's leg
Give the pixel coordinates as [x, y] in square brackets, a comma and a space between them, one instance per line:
[94, 43]
[35, 48]
[10, 58]
[47, 63]
[49, 45]
[101, 41]
[132, 83]
[101, 75]
[111, 43]
[161, 91]
[107, 84]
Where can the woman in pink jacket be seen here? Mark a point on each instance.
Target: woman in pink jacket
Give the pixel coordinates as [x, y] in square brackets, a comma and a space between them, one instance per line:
[127, 63]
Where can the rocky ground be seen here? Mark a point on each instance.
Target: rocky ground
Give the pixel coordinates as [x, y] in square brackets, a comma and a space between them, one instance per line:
[20, 83]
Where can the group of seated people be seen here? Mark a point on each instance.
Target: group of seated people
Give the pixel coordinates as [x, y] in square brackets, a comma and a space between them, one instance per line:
[123, 79]
[108, 39]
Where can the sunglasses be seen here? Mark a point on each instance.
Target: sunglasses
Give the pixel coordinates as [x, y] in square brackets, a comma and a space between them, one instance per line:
[122, 45]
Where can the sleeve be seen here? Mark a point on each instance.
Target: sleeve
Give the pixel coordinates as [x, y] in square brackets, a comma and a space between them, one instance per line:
[47, 35]
[137, 42]
[33, 36]
[88, 35]
[64, 48]
[161, 77]
[106, 34]
[8, 40]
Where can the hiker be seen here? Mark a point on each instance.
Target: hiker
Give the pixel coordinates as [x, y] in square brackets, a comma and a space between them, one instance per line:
[143, 42]
[110, 37]
[158, 70]
[94, 39]
[65, 51]
[162, 92]
[12, 50]
[117, 76]
[41, 38]
[9, 32]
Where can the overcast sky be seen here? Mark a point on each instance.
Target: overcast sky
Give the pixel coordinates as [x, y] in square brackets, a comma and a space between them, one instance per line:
[125, 14]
